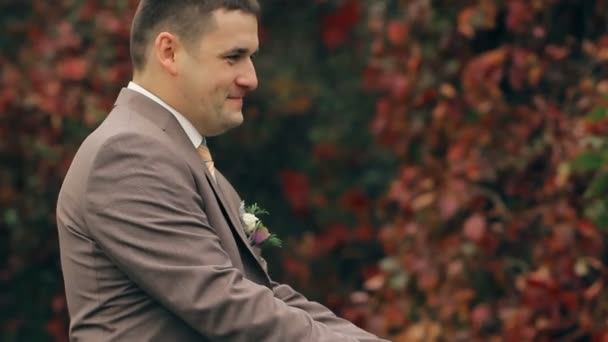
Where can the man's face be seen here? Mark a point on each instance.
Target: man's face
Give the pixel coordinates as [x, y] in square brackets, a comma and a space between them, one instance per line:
[217, 72]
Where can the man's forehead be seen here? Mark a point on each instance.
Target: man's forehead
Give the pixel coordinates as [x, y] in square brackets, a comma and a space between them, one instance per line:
[232, 22]
[230, 31]
[221, 16]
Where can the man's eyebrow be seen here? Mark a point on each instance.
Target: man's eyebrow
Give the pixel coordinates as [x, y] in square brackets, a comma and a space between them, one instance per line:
[240, 51]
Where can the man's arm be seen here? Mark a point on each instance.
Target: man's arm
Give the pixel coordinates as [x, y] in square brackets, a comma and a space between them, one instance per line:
[144, 212]
[296, 300]
[321, 314]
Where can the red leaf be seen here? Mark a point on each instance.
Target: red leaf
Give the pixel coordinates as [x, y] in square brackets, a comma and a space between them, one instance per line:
[7, 96]
[347, 15]
[109, 22]
[67, 37]
[371, 76]
[331, 238]
[570, 300]
[519, 15]
[375, 282]
[324, 152]
[557, 52]
[481, 79]
[400, 87]
[475, 228]
[365, 233]
[397, 33]
[58, 304]
[448, 205]
[381, 118]
[426, 97]
[333, 37]
[336, 26]
[587, 229]
[601, 336]
[57, 330]
[296, 268]
[394, 315]
[428, 280]
[593, 291]
[355, 201]
[480, 315]
[74, 69]
[296, 188]
[465, 19]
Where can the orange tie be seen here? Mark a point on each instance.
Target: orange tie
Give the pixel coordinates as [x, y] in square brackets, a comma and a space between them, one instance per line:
[205, 154]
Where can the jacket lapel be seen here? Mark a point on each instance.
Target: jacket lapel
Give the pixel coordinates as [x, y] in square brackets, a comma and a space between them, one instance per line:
[232, 215]
[233, 203]
[231, 206]
[179, 136]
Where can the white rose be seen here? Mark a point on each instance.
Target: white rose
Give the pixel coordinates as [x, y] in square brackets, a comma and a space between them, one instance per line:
[250, 221]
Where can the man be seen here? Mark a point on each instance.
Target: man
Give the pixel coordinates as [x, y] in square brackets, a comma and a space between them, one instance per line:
[152, 245]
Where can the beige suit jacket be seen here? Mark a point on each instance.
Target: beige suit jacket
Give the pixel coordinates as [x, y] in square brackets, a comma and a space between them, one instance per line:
[152, 249]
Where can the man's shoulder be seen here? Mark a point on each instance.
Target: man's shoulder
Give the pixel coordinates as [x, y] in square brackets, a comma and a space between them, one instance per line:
[125, 140]
[120, 125]
[121, 131]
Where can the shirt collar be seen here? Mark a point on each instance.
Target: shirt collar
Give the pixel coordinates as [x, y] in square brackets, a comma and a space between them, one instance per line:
[193, 134]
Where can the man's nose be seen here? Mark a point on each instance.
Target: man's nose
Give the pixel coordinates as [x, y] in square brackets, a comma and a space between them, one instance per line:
[248, 78]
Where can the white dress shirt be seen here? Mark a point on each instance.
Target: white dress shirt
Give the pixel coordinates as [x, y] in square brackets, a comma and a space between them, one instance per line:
[193, 133]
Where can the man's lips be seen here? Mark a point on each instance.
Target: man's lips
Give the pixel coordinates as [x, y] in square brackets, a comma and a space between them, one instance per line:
[236, 100]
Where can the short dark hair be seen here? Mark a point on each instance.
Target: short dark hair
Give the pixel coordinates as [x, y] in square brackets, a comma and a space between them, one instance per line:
[188, 19]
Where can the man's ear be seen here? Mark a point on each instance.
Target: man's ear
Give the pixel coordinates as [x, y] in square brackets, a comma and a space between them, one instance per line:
[165, 48]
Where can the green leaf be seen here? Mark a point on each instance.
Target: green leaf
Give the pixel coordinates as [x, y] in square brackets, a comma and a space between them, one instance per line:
[468, 249]
[598, 186]
[472, 116]
[516, 264]
[10, 217]
[390, 265]
[588, 161]
[598, 213]
[46, 151]
[594, 142]
[399, 281]
[273, 241]
[254, 209]
[597, 114]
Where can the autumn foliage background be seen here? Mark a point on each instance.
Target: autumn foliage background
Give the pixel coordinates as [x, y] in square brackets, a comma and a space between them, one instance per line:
[437, 169]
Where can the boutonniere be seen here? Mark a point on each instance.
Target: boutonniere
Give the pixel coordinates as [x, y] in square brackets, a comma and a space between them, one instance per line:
[257, 233]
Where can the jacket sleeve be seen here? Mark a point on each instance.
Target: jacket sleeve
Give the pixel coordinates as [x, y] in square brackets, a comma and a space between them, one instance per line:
[143, 210]
[321, 314]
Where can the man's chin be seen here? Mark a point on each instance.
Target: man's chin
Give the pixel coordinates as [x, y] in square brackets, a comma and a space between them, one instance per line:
[232, 120]
[236, 119]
